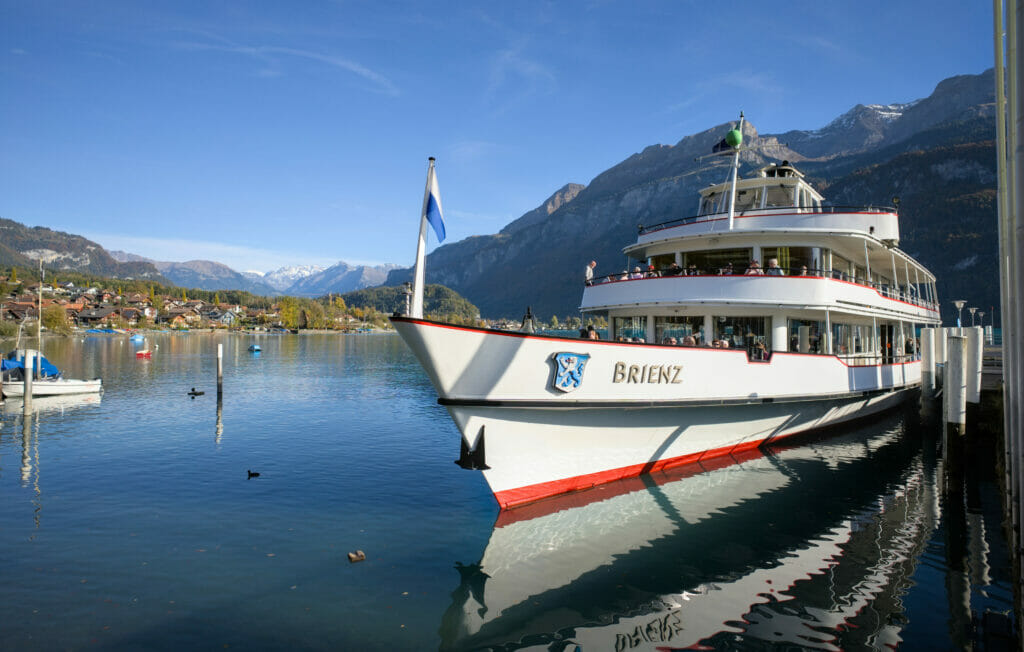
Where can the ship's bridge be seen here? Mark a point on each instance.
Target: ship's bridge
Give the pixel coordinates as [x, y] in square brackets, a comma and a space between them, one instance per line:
[777, 198]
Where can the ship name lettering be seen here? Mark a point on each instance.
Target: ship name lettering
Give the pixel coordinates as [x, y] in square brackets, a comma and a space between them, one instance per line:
[654, 374]
[662, 629]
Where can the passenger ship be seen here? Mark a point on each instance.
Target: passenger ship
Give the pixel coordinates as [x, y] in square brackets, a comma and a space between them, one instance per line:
[824, 333]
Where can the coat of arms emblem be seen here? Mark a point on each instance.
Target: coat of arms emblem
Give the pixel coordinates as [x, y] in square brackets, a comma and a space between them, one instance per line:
[569, 370]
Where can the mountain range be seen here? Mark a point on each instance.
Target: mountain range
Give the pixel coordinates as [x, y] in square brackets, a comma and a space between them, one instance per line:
[295, 280]
[936, 153]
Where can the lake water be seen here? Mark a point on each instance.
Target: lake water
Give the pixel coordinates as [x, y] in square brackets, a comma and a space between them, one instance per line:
[128, 521]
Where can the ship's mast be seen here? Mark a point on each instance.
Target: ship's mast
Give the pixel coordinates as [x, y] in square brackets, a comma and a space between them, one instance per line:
[39, 317]
[735, 139]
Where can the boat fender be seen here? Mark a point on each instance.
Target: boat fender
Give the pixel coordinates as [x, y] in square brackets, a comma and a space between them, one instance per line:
[473, 459]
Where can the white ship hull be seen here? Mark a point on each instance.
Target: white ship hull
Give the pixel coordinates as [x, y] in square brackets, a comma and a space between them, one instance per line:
[636, 409]
[53, 387]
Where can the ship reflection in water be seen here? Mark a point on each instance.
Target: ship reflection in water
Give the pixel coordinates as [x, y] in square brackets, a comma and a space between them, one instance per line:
[810, 546]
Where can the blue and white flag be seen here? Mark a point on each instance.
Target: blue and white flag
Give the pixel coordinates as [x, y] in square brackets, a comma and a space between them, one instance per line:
[433, 206]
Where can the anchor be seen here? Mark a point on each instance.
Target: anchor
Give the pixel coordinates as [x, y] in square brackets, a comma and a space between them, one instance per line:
[473, 459]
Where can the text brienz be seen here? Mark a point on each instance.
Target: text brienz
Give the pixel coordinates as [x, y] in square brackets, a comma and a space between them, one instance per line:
[654, 374]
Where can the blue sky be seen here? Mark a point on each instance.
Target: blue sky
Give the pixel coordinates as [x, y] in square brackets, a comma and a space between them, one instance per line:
[263, 134]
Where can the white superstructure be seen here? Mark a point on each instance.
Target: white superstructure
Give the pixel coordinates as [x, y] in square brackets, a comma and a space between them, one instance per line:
[766, 314]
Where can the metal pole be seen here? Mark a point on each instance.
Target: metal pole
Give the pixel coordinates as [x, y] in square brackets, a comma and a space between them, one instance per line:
[867, 263]
[973, 364]
[928, 361]
[955, 386]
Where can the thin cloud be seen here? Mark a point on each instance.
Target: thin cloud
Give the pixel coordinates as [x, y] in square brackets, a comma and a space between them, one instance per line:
[271, 58]
[471, 151]
[516, 77]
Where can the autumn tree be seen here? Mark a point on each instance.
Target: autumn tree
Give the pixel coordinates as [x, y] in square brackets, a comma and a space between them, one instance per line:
[55, 319]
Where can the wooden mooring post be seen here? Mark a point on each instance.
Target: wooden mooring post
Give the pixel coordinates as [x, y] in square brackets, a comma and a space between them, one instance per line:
[30, 368]
[220, 372]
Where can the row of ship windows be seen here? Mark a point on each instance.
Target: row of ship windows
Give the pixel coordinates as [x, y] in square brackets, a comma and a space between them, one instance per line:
[759, 198]
[754, 334]
[791, 261]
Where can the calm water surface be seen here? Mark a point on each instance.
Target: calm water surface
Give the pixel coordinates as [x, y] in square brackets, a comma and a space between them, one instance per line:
[129, 522]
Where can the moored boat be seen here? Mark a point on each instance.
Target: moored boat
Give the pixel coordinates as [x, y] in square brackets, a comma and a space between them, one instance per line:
[47, 381]
[708, 353]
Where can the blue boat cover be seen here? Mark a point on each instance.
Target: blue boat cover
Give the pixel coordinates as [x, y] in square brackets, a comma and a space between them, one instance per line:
[46, 367]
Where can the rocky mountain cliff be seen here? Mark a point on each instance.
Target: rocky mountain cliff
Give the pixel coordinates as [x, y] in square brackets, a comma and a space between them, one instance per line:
[200, 274]
[24, 246]
[538, 260]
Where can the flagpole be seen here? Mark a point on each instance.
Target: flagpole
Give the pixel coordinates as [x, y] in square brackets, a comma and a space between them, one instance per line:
[421, 245]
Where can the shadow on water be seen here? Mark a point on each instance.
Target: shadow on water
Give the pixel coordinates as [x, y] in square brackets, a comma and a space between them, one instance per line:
[816, 546]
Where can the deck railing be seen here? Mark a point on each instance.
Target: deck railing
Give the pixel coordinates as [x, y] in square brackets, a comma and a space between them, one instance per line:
[886, 290]
[773, 211]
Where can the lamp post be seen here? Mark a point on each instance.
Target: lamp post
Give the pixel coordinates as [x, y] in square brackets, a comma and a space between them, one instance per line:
[972, 311]
[959, 303]
[981, 316]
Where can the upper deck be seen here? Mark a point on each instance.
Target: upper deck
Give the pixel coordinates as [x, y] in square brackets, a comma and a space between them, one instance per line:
[881, 223]
[778, 198]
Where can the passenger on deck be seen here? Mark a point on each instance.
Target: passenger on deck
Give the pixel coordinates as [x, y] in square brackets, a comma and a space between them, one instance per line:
[754, 269]
[759, 352]
[726, 271]
[673, 270]
[592, 334]
[773, 268]
[669, 340]
[588, 273]
[803, 270]
[691, 270]
[689, 340]
[636, 273]
[651, 272]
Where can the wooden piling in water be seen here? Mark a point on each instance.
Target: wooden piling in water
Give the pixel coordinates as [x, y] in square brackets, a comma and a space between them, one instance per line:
[220, 371]
[30, 366]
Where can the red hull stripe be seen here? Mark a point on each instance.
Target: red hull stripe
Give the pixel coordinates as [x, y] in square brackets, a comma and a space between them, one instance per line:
[576, 499]
[531, 493]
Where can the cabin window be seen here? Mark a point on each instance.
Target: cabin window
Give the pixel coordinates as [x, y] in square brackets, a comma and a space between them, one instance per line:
[709, 204]
[679, 327]
[841, 266]
[747, 200]
[853, 339]
[794, 260]
[744, 332]
[663, 261]
[778, 196]
[805, 336]
[860, 274]
[715, 260]
[633, 327]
